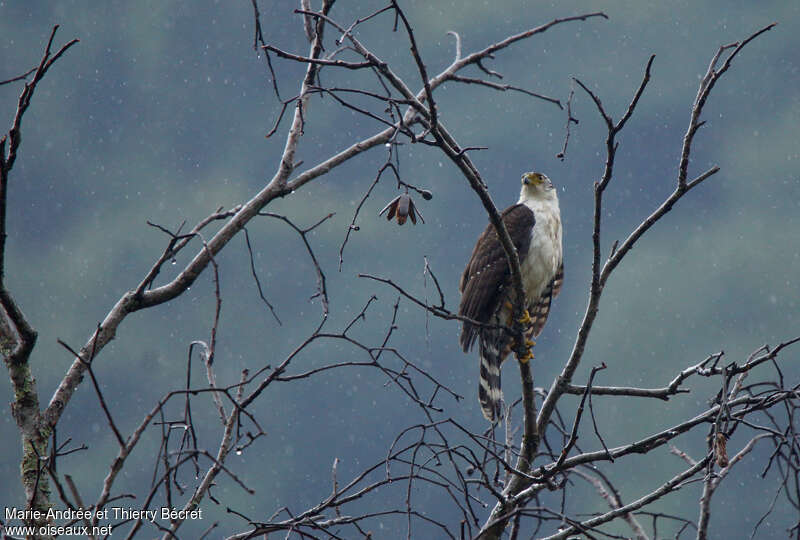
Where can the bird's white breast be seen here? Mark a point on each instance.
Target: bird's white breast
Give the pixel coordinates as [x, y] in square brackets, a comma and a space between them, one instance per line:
[544, 256]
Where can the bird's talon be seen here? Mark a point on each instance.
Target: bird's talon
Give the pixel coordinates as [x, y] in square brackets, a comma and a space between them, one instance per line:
[529, 343]
[526, 317]
[525, 358]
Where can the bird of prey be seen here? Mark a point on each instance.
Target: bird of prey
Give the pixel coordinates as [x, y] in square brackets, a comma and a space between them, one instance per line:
[487, 294]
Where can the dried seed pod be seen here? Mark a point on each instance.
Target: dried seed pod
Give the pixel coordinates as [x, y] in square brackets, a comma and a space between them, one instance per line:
[390, 208]
[403, 207]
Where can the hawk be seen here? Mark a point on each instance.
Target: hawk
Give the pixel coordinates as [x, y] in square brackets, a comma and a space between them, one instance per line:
[487, 295]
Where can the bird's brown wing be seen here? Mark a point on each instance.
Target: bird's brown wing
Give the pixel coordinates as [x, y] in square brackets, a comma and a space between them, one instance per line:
[487, 273]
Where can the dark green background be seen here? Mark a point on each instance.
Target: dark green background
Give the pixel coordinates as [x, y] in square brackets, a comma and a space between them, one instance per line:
[160, 114]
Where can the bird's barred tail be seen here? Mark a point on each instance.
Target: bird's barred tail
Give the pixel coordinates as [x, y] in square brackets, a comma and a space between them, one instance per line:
[490, 394]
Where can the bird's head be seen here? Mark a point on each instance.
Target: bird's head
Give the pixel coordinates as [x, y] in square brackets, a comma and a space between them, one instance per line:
[536, 185]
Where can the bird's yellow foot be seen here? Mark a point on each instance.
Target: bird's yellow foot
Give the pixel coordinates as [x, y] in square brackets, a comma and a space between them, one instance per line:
[526, 318]
[529, 353]
[528, 356]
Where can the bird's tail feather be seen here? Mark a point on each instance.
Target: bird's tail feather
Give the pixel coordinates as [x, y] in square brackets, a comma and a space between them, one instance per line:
[490, 394]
